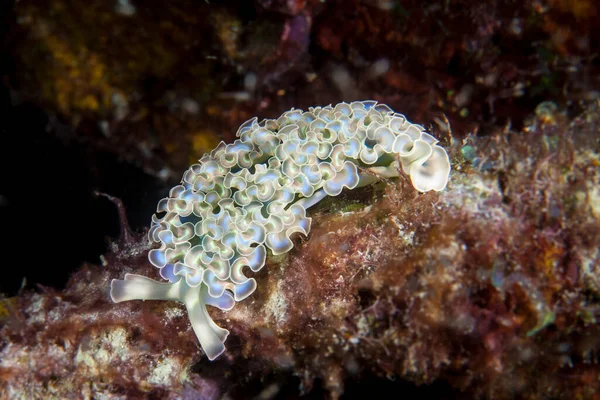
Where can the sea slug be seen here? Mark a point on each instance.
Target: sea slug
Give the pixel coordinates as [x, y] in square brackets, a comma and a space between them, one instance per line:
[245, 199]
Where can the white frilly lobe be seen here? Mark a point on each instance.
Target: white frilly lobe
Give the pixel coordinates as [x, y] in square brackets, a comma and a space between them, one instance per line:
[251, 195]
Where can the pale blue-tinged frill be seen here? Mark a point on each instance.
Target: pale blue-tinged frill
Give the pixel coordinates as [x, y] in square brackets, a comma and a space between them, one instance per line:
[248, 197]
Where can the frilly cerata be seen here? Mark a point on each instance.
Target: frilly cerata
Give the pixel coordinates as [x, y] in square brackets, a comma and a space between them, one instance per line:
[245, 198]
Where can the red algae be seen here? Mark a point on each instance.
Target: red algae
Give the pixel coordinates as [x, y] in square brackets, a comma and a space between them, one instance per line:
[490, 286]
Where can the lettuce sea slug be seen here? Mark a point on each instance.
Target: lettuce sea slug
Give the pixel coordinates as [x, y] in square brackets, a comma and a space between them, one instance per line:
[252, 195]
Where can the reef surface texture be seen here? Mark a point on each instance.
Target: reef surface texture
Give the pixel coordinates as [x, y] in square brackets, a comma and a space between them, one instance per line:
[491, 287]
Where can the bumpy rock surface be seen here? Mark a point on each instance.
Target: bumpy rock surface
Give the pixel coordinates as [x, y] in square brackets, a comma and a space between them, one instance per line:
[490, 287]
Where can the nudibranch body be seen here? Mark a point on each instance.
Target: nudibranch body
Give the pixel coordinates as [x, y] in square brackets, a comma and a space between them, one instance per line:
[252, 195]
